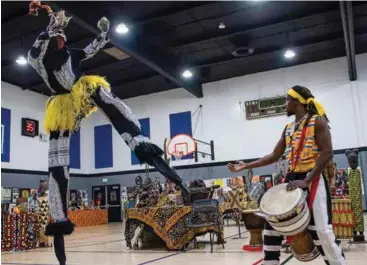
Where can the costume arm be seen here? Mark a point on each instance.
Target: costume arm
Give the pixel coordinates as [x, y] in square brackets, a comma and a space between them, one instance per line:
[100, 42]
[95, 46]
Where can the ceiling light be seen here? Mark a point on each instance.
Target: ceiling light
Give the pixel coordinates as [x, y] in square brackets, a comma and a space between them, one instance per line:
[187, 74]
[289, 54]
[21, 60]
[221, 25]
[122, 29]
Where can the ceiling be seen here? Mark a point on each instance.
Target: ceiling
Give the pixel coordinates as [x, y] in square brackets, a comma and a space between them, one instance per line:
[166, 37]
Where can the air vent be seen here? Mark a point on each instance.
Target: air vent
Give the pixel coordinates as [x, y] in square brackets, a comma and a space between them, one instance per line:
[243, 51]
[117, 53]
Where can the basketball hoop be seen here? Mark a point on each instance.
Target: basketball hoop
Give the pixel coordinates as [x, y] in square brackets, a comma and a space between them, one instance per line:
[181, 145]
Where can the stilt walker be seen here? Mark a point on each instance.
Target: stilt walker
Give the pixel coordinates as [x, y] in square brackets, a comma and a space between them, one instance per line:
[75, 96]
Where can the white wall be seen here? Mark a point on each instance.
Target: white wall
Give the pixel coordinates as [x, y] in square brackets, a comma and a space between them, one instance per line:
[223, 121]
[26, 152]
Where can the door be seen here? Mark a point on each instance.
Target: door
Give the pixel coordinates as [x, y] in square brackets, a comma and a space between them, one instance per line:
[114, 203]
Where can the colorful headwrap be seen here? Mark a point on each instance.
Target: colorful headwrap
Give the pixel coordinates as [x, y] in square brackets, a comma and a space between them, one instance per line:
[294, 94]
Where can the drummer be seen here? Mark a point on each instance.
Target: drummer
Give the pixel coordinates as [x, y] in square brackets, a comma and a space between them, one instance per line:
[306, 144]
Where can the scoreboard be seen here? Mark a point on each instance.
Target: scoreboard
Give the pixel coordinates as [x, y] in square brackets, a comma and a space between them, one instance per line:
[29, 127]
[267, 107]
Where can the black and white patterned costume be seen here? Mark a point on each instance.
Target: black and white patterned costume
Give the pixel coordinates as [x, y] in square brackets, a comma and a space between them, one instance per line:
[59, 67]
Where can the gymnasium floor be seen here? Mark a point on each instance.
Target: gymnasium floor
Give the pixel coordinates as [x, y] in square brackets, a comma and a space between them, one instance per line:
[104, 245]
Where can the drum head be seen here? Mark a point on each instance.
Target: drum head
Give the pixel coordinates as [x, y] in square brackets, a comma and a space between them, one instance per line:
[278, 200]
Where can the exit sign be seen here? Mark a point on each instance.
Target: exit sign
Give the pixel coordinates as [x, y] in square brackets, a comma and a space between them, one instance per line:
[104, 180]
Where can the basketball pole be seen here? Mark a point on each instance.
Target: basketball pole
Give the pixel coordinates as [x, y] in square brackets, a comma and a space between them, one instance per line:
[211, 144]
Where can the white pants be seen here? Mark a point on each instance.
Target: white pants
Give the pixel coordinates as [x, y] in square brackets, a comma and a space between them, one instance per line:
[320, 229]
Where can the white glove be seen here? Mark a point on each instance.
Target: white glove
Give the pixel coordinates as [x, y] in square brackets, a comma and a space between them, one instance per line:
[103, 24]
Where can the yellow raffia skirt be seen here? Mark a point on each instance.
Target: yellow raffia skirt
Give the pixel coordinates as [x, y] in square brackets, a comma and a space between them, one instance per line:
[64, 111]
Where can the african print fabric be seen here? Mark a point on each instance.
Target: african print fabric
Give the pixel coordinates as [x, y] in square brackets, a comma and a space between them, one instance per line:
[355, 195]
[19, 231]
[169, 223]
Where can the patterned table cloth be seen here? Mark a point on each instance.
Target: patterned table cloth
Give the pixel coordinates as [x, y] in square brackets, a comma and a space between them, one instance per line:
[169, 223]
[82, 218]
[343, 218]
[19, 232]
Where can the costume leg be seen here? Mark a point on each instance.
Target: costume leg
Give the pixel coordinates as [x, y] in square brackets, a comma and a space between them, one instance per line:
[58, 162]
[272, 245]
[128, 127]
[321, 229]
[59, 246]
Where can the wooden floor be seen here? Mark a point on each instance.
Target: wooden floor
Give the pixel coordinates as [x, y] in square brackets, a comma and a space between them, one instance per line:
[105, 245]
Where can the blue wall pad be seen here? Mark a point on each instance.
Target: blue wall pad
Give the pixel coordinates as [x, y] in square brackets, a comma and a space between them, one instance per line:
[75, 150]
[145, 129]
[5, 134]
[103, 146]
[180, 123]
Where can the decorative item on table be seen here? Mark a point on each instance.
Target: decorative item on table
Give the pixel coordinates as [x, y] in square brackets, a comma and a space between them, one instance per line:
[73, 198]
[33, 201]
[6, 195]
[268, 182]
[281, 169]
[169, 187]
[174, 199]
[341, 180]
[148, 194]
[356, 192]
[220, 195]
[21, 206]
[256, 188]
[25, 193]
[124, 191]
[84, 197]
[11, 207]
[15, 195]
[219, 182]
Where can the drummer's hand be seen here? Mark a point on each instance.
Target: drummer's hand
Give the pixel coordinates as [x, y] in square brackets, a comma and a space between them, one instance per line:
[302, 184]
[237, 167]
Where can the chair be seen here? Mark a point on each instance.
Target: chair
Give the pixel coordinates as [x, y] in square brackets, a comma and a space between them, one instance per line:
[205, 213]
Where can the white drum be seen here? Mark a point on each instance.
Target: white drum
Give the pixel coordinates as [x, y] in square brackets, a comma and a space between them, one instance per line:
[286, 211]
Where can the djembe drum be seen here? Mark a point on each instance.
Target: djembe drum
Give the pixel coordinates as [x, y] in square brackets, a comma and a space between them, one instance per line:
[288, 213]
[343, 218]
[255, 225]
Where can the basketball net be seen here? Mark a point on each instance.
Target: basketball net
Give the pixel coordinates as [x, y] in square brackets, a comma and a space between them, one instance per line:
[178, 155]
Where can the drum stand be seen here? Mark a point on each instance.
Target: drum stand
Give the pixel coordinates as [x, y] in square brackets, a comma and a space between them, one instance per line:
[239, 231]
[236, 216]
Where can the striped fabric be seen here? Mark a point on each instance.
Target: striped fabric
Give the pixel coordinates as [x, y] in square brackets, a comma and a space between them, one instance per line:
[310, 152]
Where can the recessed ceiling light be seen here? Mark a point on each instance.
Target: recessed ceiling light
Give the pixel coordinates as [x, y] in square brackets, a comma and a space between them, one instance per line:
[21, 60]
[187, 74]
[221, 25]
[122, 29]
[289, 54]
